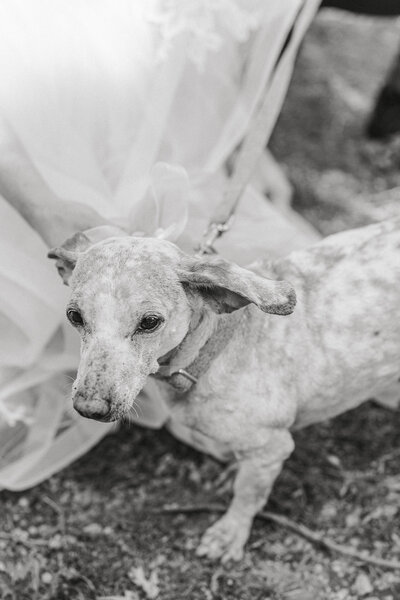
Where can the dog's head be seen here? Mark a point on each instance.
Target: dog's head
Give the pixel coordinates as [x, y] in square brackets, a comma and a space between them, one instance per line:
[132, 302]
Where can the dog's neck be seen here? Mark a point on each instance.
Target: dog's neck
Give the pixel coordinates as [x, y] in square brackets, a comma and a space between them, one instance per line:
[207, 334]
[201, 328]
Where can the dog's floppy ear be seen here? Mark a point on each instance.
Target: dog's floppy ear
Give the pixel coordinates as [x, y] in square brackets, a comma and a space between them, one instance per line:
[227, 287]
[67, 254]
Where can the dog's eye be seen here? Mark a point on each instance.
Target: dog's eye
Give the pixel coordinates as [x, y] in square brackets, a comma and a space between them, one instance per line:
[75, 317]
[149, 323]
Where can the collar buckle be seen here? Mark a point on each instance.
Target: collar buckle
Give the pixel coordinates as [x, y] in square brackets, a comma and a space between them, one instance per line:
[187, 375]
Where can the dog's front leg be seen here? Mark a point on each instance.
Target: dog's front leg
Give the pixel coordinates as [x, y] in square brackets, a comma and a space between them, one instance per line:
[256, 474]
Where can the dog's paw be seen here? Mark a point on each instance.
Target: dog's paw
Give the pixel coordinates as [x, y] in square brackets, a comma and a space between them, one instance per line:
[225, 539]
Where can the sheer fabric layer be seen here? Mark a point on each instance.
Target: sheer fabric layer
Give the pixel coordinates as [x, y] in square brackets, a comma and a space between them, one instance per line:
[97, 92]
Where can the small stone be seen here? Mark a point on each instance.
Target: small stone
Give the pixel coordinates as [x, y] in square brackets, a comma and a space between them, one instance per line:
[158, 561]
[334, 460]
[288, 541]
[23, 502]
[353, 518]
[108, 531]
[47, 578]
[342, 595]
[319, 568]
[362, 585]
[93, 529]
[194, 476]
[55, 542]
[338, 567]
[329, 511]
[20, 535]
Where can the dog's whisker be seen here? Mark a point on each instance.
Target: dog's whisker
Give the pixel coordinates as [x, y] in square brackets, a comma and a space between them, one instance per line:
[133, 409]
[137, 405]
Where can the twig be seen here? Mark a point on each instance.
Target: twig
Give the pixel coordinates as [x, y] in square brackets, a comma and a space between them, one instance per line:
[301, 530]
[214, 583]
[57, 509]
[9, 537]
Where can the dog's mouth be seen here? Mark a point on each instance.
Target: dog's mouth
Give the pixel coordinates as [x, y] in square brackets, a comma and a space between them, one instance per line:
[106, 419]
[110, 417]
[101, 418]
[130, 414]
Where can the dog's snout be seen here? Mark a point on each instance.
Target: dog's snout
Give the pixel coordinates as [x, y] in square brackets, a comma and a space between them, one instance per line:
[97, 409]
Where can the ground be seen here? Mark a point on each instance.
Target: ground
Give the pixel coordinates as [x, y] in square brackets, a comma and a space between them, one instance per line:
[89, 532]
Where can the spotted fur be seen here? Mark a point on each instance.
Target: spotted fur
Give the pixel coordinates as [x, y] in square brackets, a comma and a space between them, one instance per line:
[339, 347]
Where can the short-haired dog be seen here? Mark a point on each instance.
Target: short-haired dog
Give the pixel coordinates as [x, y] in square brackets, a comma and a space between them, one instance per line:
[237, 358]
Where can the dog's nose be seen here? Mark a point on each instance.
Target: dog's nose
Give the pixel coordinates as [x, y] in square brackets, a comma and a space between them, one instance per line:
[91, 409]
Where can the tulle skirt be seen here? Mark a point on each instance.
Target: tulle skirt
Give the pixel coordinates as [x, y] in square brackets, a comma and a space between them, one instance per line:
[98, 91]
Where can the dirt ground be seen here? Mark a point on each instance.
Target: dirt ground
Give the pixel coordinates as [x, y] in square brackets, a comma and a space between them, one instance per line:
[89, 532]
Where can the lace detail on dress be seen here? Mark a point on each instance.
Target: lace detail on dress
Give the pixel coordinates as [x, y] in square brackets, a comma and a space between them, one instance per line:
[206, 24]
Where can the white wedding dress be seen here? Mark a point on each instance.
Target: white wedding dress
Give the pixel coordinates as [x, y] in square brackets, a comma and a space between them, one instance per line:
[98, 91]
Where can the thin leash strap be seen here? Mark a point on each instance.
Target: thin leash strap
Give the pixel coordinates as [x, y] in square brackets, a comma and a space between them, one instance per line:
[254, 143]
[250, 151]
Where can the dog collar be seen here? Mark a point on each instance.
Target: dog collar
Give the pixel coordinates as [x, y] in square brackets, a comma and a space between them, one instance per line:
[180, 379]
[183, 379]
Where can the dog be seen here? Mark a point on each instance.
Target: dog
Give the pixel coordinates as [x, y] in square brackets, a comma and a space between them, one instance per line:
[238, 360]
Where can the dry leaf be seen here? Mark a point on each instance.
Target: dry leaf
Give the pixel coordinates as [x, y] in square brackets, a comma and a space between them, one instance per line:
[362, 585]
[149, 586]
